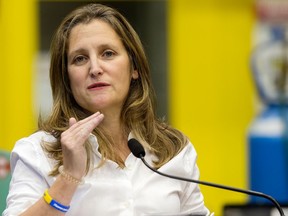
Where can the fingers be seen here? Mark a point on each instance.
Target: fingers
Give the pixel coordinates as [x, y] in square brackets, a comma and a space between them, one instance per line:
[86, 125]
[72, 121]
[91, 121]
[78, 132]
[73, 140]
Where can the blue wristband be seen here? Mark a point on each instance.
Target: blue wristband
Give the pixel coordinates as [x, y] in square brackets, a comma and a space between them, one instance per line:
[59, 206]
[48, 199]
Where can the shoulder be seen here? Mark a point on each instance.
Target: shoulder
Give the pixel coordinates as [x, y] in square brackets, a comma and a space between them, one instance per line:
[33, 141]
[29, 149]
[184, 163]
[187, 155]
[36, 137]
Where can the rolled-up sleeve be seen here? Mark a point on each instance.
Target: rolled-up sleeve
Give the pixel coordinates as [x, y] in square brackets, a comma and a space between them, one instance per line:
[27, 183]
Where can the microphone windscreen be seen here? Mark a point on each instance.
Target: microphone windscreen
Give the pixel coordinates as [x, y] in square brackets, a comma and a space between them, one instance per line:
[136, 148]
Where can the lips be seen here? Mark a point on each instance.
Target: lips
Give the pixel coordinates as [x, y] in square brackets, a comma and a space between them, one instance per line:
[98, 85]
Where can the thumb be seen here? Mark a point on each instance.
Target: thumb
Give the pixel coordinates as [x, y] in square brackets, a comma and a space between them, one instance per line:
[72, 121]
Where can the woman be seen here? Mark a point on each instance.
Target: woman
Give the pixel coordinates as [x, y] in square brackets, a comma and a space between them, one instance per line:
[102, 97]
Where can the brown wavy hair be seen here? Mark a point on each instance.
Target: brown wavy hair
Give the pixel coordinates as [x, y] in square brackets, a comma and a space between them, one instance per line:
[138, 112]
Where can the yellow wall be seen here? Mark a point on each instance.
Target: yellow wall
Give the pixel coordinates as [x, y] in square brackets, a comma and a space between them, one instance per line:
[211, 88]
[18, 44]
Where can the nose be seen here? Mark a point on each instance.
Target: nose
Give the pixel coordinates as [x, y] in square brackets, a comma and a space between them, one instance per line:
[95, 68]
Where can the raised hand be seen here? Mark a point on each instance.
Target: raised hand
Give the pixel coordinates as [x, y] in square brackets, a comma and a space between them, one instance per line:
[73, 140]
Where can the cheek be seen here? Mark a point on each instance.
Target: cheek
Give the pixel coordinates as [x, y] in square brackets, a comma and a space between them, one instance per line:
[125, 80]
[77, 90]
[121, 76]
[75, 81]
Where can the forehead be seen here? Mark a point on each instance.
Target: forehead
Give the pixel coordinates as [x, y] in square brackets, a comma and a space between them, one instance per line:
[95, 27]
[96, 33]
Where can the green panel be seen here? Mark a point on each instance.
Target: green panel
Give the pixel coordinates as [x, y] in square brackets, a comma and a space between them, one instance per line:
[5, 177]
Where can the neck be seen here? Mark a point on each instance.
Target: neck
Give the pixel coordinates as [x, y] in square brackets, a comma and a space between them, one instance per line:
[117, 131]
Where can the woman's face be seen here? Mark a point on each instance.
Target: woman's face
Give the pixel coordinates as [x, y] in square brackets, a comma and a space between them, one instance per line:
[99, 68]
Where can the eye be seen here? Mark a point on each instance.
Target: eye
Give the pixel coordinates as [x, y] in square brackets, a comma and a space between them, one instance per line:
[78, 60]
[108, 54]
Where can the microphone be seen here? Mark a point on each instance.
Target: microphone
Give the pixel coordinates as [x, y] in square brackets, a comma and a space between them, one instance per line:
[138, 151]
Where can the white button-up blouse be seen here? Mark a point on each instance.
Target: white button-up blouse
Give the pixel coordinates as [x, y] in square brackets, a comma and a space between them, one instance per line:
[108, 190]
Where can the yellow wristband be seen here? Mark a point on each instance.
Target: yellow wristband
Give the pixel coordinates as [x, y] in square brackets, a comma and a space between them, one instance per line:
[49, 200]
[47, 197]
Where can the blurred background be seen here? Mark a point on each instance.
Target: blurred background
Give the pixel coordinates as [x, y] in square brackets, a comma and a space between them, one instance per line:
[219, 70]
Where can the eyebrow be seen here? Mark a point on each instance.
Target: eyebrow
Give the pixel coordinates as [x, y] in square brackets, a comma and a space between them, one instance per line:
[100, 47]
[71, 54]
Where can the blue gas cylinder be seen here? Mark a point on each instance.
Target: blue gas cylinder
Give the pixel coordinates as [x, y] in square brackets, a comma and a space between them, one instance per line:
[268, 154]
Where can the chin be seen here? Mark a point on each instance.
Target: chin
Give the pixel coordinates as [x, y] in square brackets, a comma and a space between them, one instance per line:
[96, 108]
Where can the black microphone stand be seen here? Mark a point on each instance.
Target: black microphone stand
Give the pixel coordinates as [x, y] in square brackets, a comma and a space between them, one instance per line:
[250, 192]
